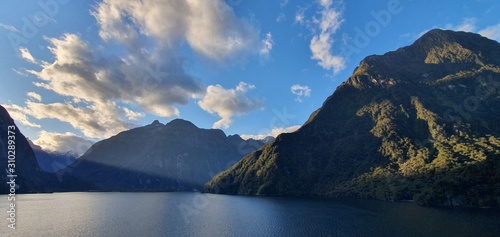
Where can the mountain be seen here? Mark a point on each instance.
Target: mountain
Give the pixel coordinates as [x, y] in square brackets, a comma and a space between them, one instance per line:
[157, 157]
[30, 178]
[52, 162]
[419, 123]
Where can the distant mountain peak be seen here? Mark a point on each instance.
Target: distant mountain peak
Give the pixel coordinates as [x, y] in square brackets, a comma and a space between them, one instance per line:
[156, 122]
[446, 46]
[439, 36]
[175, 156]
[235, 136]
[434, 55]
[180, 123]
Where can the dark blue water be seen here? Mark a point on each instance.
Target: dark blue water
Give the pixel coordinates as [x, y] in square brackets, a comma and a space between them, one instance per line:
[192, 214]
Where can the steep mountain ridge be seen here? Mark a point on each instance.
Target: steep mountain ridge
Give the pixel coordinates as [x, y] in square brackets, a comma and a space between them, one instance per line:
[30, 177]
[172, 157]
[417, 123]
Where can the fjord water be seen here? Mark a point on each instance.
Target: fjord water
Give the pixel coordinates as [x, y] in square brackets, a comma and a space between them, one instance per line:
[194, 214]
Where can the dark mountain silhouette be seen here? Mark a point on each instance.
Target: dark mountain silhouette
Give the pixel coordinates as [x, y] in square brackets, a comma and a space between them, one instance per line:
[177, 156]
[30, 177]
[52, 162]
[419, 123]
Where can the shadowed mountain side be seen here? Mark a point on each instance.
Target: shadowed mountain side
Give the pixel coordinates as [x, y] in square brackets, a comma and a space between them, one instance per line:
[30, 177]
[419, 123]
[109, 178]
[177, 156]
[52, 162]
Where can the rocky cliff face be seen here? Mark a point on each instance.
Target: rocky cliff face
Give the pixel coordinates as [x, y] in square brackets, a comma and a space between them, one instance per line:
[419, 123]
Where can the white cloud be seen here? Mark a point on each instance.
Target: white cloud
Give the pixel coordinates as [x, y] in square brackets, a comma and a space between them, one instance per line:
[227, 103]
[300, 16]
[18, 113]
[154, 83]
[21, 72]
[321, 44]
[131, 115]
[300, 91]
[244, 87]
[35, 96]
[62, 142]
[277, 131]
[468, 25]
[492, 32]
[95, 120]
[255, 137]
[9, 27]
[267, 45]
[273, 133]
[25, 54]
[214, 31]
[325, 3]
[99, 120]
[150, 72]
[209, 27]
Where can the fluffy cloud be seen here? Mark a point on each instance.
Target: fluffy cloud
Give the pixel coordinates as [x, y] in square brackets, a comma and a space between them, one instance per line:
[131, 115]
[62, 142]
[209, 27]
[146, 69]
[35, 96]
[18, 113]
[267, 45]
[300, 91]
[99, 120]
[154, 83]
[492, 32]
[273, 133]
[25, 54]
[321, 44]
[227, 103]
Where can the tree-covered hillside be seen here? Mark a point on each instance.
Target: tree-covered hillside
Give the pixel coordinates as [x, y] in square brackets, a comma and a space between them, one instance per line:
[419, 123]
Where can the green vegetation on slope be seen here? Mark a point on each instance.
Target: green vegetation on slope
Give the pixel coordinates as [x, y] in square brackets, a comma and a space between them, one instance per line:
[419, 123]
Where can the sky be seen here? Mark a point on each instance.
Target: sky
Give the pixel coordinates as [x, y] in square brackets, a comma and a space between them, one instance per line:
[76, 72]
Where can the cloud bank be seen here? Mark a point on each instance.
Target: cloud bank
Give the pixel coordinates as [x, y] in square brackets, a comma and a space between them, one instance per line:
[273, 133]
[62, 142]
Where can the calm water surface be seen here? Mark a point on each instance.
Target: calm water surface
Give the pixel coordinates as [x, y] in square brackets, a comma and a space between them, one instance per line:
[193, 214]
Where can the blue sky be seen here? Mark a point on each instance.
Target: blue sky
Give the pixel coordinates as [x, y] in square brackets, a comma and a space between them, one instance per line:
[80, 71]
